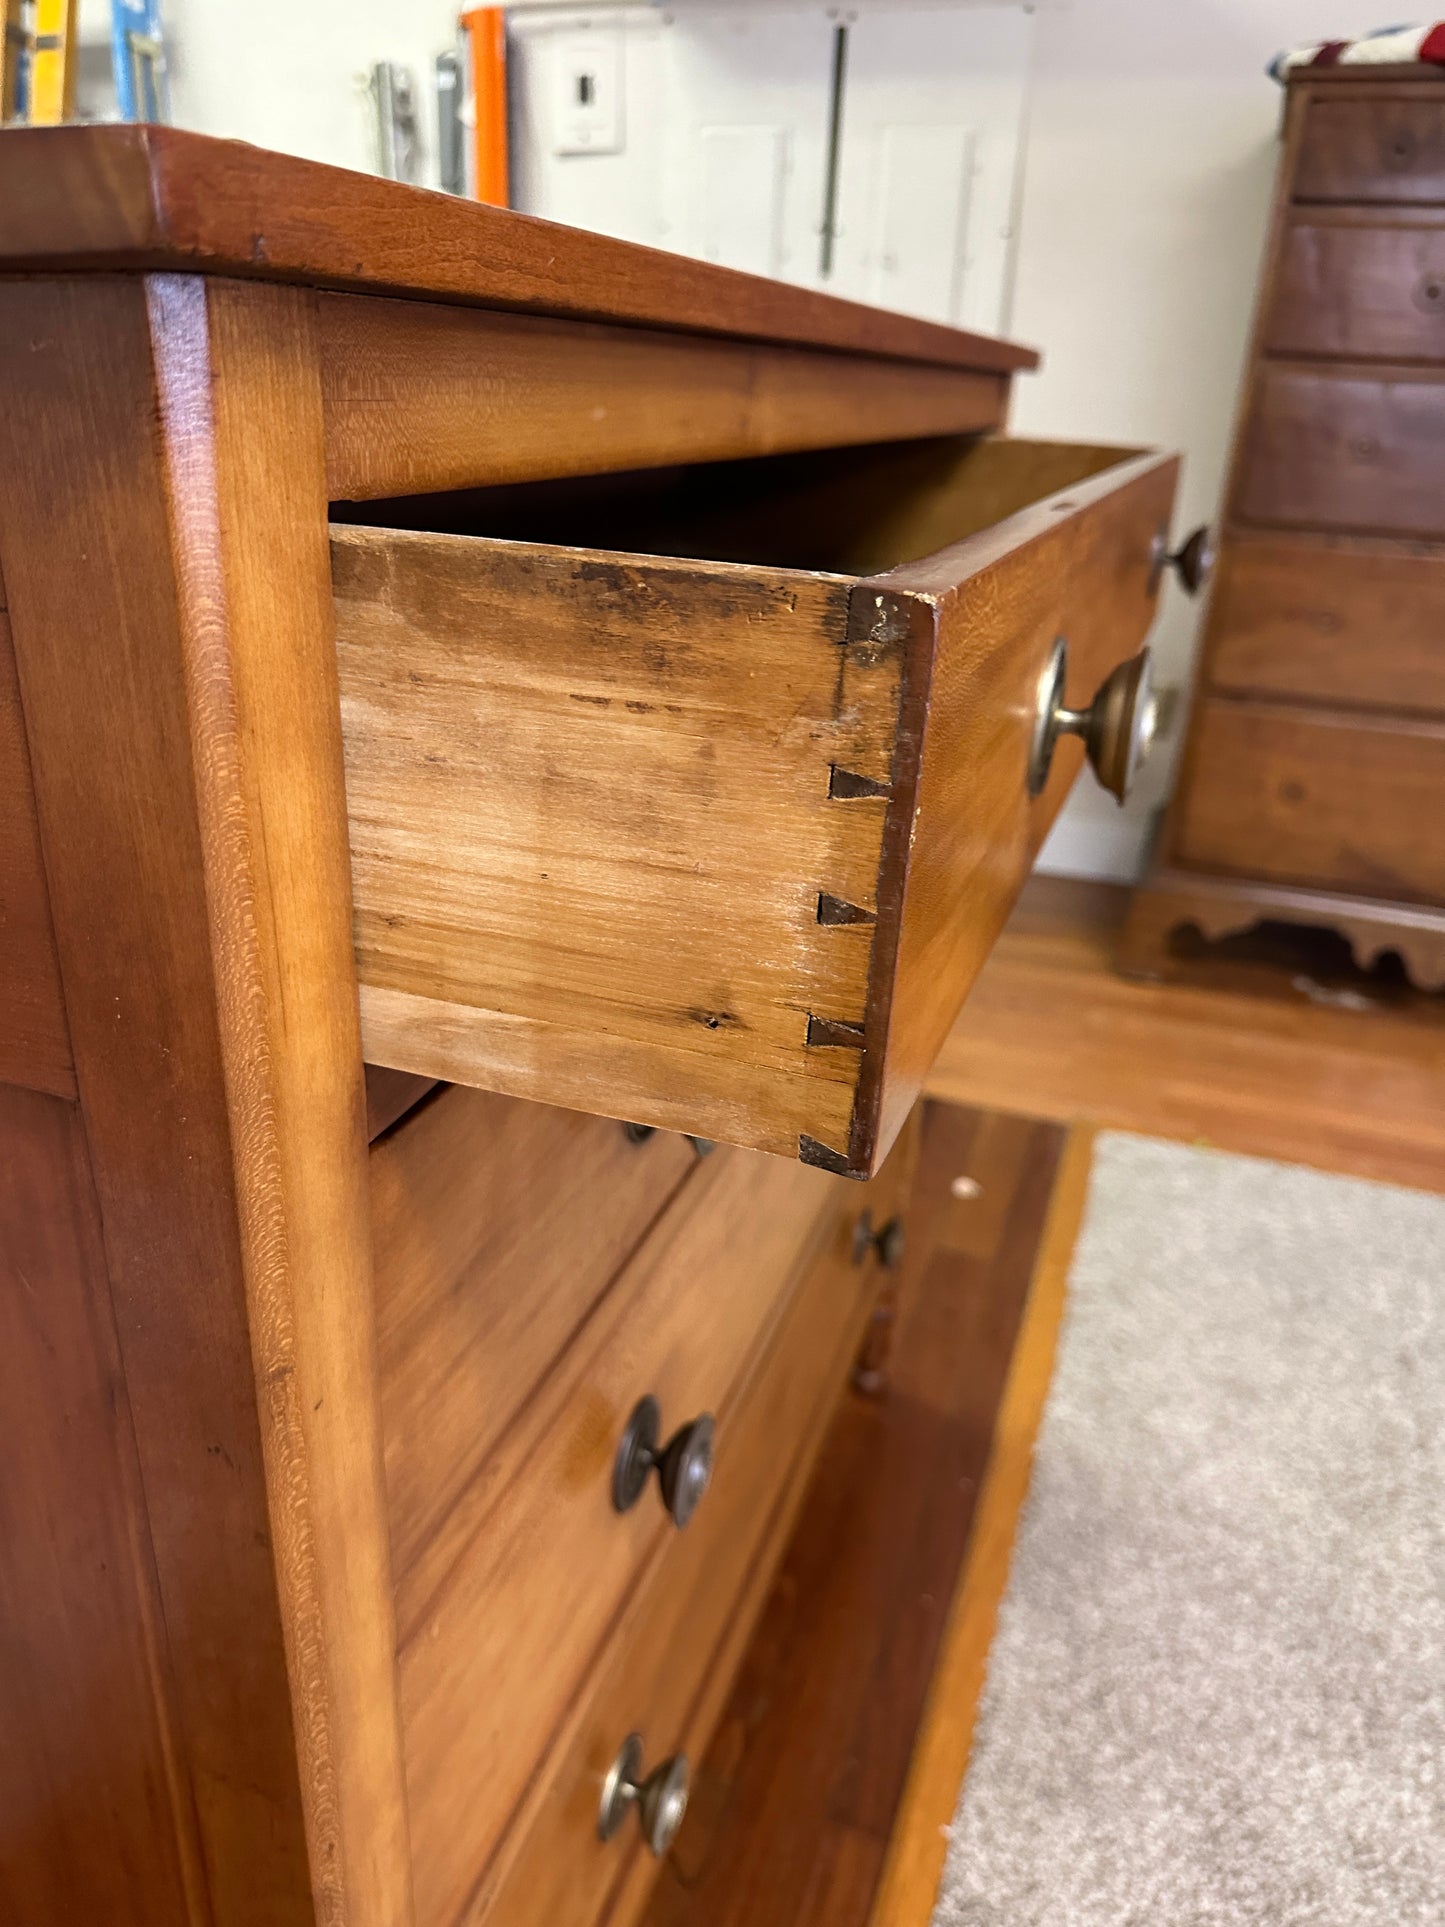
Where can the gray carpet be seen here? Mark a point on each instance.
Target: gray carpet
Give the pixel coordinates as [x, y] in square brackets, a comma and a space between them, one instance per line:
[1217, 1693]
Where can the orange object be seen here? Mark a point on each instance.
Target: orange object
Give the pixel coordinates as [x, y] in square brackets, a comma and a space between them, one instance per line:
[486, 30]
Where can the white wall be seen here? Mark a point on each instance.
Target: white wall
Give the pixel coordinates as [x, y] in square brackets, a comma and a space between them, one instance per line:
[1147, 179]
[288, 74]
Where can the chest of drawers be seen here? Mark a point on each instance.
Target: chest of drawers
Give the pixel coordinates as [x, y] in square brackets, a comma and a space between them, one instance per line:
[618, 698]
[1314, 774]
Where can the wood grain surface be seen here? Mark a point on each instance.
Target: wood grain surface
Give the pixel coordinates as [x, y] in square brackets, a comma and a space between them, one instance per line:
[1360, 291]
[1388, 148]
[1345, 447]
[421, 397]
[502, 1615]
[725, 962]
[666, 967]
[34, 1038]
[1283, 1057]
[96, 1817]
[1316, 797]
[1341, 620]
[162, 521]
[796, 1797]
[157, 197]
[497, 1226]
[1374, 932]
[678, 1643]
[918, 1844]
[963, 833]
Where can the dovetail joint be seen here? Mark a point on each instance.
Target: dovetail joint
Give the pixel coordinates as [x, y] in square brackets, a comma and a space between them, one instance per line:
[833, 910]
[828, 1031]
[846, 785]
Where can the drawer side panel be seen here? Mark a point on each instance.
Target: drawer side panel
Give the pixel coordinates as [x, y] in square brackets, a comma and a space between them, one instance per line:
[594, 818]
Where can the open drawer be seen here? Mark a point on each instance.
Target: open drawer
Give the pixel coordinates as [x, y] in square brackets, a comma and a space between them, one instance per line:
[712, 825]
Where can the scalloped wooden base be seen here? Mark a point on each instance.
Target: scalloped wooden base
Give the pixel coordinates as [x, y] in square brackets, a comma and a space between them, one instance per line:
[1224, 906]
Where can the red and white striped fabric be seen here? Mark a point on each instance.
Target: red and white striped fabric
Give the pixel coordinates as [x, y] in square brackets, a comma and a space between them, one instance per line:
[1387, 47]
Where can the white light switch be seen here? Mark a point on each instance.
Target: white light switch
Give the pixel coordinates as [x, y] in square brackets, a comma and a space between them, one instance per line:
[587, 92]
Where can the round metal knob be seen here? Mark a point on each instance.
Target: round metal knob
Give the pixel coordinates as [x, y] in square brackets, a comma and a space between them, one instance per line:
[660, 1798]
[1117, 728]
[640, 1133]
[885, 1243]
[889, 1244]
[1192, 561]
[683, 1465]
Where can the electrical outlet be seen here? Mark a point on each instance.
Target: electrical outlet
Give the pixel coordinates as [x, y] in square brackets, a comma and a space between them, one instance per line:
[587, 92]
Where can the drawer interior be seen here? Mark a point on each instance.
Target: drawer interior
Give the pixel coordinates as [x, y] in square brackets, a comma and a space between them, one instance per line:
[854, 511]
[699, 797]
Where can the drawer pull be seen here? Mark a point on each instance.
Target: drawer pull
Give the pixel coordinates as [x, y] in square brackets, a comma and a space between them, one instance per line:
[1117, 728]
[683, 1465]
[640, 1133]
[1192, 561]
[885, 1244]
[660, 1799]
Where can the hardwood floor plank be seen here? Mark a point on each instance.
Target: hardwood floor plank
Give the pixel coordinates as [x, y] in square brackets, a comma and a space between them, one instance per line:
[1347, 1075]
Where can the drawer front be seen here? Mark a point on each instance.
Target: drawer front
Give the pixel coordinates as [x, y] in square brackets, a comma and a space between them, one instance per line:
[1360, 292]
[1372, 150]
[496, 1228]
[724, 845]
[1347, 450]
[1348, 621]
[503, 1613]
[1317, 799]
[667, 1672]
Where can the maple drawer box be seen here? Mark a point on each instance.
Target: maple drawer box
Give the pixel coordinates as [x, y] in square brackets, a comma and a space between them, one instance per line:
[717, 839]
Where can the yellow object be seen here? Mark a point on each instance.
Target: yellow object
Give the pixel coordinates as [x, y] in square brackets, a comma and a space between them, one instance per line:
[52, 67]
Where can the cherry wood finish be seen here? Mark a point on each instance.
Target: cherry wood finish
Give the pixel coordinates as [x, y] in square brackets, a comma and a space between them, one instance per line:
[34, 1039]
[390, 1095]
[1338, 620]
[320, 1572]
[1272, 1043]
[797, 1796]
[1319, 772]
[497, 1226]
[143, 198]
[95, 1821]
[579, 397]
[1311, 797]
[1220, 907]
[680, 1639]
[1360, 292]
[782, 924]
[1346, 448]
[1386, 146]
[506, 1608]
[162, 522]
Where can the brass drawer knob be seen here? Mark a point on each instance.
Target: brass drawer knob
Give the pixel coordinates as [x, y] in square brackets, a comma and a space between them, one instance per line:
[660, 1799]
[1192, 561]
[1118, 727]
[683, 1465]
[885, 1243]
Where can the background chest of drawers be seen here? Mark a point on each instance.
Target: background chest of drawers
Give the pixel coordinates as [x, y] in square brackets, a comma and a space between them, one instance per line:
[1313, 781]
[426, 637]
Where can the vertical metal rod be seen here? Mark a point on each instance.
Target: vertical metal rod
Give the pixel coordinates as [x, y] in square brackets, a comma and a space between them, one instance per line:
[835, 142]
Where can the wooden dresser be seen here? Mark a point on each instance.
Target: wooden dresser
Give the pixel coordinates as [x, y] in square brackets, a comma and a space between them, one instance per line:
[1312, 787]
[616, 698]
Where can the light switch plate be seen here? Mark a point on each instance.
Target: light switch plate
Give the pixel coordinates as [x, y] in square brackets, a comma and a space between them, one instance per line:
[587, 103]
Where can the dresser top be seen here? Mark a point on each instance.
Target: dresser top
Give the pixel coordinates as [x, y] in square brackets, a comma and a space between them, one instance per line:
[157, 199]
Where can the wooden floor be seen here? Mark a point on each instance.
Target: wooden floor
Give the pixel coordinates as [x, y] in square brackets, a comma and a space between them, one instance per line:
[794, 1805]
[1273, 1047]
